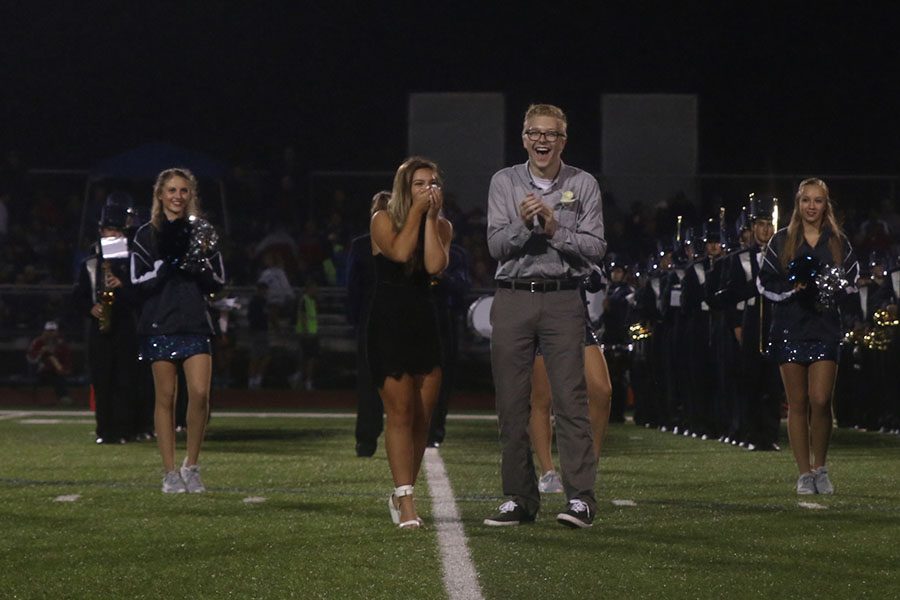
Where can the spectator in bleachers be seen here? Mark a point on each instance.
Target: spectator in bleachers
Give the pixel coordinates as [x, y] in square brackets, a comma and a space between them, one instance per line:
[308, 330]
[258, 324]
[278, 241]
[280, 295]
[50, 356]
[310, 245]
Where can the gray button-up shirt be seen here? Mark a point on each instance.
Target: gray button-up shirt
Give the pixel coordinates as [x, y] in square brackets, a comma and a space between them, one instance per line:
[524, 253]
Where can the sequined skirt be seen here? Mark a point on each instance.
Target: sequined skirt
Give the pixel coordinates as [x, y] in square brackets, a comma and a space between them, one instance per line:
[803, 352]
[173, 347]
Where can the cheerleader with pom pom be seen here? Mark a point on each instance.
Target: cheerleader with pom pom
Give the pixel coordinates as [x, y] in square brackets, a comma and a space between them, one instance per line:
[177, 266]
[806, 267]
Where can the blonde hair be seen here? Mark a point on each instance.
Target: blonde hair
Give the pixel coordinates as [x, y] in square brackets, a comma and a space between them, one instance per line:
[829, 221]
[401, 194]
[157, 214]
[379, 201]
[545, 110]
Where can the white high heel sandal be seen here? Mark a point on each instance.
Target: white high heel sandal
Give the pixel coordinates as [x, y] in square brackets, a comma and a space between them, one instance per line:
[399, 492]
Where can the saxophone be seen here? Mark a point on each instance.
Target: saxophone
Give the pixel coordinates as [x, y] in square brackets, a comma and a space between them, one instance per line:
[106, 297]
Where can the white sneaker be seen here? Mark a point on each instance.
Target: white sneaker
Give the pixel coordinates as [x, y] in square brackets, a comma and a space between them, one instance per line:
[191, 477]
[173, 483]
[806, 484]
[823, 484]
[550, 483]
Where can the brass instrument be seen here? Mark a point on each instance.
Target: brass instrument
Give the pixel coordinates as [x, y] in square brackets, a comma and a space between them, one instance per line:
[106, 297]
[639, 331]
[878, 338]
[853, 337]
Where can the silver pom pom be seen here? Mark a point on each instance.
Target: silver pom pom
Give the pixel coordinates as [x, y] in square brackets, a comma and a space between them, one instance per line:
[829, 282]
[203, 243]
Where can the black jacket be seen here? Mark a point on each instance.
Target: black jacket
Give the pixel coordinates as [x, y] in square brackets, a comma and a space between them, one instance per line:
[360, 281]
[795, 318]
[174, 299]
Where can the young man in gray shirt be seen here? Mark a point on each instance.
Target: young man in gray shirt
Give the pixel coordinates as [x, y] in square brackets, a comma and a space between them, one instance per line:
[545, 229]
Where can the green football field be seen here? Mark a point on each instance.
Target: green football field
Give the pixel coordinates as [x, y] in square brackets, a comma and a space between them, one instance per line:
[292, 513]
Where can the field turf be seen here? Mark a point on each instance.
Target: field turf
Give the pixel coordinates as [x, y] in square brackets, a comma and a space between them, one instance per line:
[292, 513]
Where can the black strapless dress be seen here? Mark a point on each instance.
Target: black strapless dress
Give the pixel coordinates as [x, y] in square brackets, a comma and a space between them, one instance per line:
[403, 327]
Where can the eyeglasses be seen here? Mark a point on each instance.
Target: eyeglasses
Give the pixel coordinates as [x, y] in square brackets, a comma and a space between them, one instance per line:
[535, 135]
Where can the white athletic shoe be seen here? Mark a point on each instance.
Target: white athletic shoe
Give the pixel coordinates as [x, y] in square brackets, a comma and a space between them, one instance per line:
[806, 484]
[823, 484]
[191, 477]
[550, 483]
[173, 483]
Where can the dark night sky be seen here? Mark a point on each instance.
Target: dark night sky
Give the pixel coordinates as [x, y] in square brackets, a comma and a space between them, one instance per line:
[783, 86]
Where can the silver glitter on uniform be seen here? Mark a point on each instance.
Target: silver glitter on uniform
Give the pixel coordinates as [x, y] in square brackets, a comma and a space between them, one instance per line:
[173, 347]
[804, 352]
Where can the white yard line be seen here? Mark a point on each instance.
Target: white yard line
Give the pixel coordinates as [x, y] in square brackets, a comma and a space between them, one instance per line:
[624, 503]
[12, 414]
[57, 421]
[19, 414]
[68, 498]
[460, 577]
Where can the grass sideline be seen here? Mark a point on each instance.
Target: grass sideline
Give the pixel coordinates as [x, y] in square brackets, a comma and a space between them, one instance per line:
[709, 521]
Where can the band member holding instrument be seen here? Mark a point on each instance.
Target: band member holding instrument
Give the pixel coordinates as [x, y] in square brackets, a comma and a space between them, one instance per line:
[104, 294]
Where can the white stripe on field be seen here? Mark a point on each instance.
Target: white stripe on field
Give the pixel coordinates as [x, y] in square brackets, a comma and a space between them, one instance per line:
[624, 503]
[68, 498]
[57, 421]
[257, 415]
[460, 577]
[12, 414]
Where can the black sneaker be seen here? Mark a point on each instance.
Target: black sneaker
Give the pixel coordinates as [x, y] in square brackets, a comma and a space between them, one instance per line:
[577, 515]
[510, 514]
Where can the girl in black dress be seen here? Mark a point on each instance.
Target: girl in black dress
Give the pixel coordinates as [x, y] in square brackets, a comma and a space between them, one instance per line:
[176, 264]
[410, 243]
[806, 327]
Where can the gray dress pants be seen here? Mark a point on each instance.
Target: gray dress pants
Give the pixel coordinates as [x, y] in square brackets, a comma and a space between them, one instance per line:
[557, 319]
